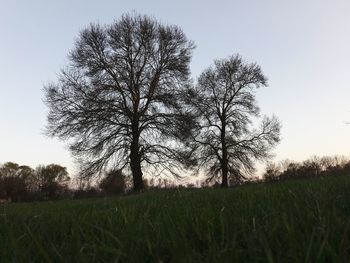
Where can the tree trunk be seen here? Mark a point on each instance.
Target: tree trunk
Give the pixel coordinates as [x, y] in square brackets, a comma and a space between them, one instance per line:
[224, 161]
[135, 161]
[224, 170]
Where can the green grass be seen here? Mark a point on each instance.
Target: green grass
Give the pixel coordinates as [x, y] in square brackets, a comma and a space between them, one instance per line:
[292, 221]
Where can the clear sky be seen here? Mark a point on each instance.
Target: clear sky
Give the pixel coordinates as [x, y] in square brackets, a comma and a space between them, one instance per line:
[303, 47]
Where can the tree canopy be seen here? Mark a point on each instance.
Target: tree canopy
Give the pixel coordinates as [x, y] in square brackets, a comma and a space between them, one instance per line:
[223, 105]
[116, 101]
[23, 183]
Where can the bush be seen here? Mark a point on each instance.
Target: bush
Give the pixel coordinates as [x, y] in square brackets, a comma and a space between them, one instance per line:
[113, 182]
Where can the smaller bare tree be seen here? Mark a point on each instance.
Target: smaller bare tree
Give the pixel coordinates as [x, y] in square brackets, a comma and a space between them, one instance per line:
[272, 172]
[222, 106]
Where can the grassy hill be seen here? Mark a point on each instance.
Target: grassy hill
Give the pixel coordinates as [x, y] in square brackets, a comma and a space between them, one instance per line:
[291, 221]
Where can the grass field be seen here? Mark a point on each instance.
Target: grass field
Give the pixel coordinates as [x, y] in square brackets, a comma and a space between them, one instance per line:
[291, 221]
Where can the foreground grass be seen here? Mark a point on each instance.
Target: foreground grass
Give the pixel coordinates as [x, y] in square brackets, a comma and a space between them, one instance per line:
[293, 221]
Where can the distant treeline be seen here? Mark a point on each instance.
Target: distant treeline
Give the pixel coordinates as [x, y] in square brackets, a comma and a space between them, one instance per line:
[21, 183]
[313, 167]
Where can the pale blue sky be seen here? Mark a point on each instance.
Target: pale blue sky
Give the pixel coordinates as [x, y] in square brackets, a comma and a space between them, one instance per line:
[303, 46]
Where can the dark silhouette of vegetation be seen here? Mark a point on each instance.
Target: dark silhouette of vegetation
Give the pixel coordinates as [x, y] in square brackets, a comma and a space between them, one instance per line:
[313, 167]
[113, 182]
[222, 105]
[22, 183]
[125, 102]
[116, 102]
[50, 180]
[15, 181]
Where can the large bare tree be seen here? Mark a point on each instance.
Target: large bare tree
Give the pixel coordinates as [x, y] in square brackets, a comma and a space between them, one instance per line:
[116, 101]
[223, 107]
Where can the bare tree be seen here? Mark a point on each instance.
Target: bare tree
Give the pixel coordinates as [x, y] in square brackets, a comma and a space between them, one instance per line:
[272, 172]
[223, 106]
[117, 99]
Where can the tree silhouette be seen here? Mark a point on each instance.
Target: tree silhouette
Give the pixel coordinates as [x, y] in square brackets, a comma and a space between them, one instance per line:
[222, 106]
[113, 182]
[50, 179]
[116, 101]
[15, 180]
